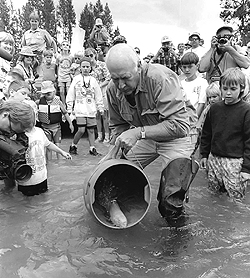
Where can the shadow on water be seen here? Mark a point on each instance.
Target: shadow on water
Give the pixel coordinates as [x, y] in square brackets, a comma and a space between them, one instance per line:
[52, 235]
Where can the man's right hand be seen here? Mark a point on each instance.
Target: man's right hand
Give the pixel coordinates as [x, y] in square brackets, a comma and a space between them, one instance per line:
[203, 163]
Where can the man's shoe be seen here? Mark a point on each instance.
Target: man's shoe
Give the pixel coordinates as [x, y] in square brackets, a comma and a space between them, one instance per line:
[94, 152]
[73, 150]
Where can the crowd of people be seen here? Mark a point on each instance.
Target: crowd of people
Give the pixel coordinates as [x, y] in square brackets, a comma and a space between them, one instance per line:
[158, 106]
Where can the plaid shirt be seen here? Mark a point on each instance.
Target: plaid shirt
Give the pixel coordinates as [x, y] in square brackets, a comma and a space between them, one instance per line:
[169, 60]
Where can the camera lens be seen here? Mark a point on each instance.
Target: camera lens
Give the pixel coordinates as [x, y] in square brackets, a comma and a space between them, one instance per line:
[222, 41]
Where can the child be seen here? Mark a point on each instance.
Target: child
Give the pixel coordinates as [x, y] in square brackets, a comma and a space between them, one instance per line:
[86, 97]
[101, 73]
[64, 62]
[76, 66]
[7, 44]
[50, 110]
[213, 95]
[225, 137]
[48, 68]
[18, 90]
[35, 157]
[194, 86]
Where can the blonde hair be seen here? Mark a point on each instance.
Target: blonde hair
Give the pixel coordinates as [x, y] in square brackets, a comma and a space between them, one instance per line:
[19, 113]
[7, 37]
[213, 89]
[234, 76]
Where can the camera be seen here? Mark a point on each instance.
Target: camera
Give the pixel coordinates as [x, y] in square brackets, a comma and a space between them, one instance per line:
[12, 158]
[222, 40]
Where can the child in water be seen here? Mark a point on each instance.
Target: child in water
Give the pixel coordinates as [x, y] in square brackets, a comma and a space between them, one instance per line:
[225, 139]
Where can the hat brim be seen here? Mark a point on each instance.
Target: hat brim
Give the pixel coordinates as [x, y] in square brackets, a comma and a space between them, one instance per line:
[27, 54]
[194, 35]
[49, 90]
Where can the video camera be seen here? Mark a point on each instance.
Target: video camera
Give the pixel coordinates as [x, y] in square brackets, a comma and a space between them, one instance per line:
[5, 55]
[12, 158]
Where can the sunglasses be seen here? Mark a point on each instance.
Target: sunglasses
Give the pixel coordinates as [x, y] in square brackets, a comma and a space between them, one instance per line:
[90, 55]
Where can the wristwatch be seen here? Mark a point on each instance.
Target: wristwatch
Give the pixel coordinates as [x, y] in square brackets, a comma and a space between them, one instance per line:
[143, 133]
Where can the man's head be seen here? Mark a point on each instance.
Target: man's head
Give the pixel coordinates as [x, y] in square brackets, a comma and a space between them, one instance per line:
[18, 90]
[48, 90]
[224, 36]
[16, 117]
[124, 66]
[194, 39]
[166, 43]
[98, 23]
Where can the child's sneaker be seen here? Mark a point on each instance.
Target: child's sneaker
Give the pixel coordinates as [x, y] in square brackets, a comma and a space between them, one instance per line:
[106, 141]
[98, 140]
[73, 150]
[94, 152]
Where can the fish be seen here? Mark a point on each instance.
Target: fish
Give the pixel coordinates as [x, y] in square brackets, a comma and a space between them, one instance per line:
[117, 217]
[107, 197]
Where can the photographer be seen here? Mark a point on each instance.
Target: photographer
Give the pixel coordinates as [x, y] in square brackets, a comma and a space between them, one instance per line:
[99, 37]
[222, 55]
[166, 55]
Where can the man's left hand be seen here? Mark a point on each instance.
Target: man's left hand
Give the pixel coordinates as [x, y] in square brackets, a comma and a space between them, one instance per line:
[128, 138]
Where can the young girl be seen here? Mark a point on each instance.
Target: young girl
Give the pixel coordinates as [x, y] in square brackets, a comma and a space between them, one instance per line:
[86, 97]
[225, 139]
[64, 62]
[213, 95]
[7, 44]
[76, 66]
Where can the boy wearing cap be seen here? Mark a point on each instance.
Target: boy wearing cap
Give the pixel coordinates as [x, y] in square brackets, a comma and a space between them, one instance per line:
[50, 110]
[223, 54]
[166, 55]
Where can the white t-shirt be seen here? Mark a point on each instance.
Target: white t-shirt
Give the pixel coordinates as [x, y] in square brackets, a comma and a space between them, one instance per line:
[195, 90]
[35, 156]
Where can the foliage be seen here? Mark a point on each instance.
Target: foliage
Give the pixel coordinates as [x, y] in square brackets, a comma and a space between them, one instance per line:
[237, 12]
[4, 14]
[66, 18]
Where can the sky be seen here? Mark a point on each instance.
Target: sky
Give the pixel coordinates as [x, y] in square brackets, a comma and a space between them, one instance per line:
[145, 22]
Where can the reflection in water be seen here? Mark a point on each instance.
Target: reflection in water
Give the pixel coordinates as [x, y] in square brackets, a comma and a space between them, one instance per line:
[53, 235]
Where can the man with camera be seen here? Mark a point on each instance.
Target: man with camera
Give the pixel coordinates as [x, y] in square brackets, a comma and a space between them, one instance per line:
[99, 37]
[166, 55]
[222, 55]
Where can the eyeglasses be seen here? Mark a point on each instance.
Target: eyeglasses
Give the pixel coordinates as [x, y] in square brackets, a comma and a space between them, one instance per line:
[194, 39]
[90, 55]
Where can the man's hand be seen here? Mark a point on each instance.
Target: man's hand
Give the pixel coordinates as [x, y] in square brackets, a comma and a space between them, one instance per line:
[214, 42]
[128, 138]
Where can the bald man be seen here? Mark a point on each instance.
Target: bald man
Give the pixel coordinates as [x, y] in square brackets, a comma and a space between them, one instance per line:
[148, 117]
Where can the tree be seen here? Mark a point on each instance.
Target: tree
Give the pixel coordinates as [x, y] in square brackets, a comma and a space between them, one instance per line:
[90, 13]
[237, 12]
[66, 18]
[49, 17]
[4, 15]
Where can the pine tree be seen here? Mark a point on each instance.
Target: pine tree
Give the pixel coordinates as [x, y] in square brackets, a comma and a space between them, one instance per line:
[4, 15]
[49, 17]
[66, 18]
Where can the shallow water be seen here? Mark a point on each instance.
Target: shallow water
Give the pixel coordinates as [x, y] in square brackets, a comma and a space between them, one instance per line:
[53, 235]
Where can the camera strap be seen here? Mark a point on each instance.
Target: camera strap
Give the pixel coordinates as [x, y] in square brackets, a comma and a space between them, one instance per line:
[216, 63]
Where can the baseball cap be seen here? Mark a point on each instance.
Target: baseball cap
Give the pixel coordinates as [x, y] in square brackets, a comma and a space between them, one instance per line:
[98, 22]
[165, 39]
[194, 34]
[47, 86]
[225, 27]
